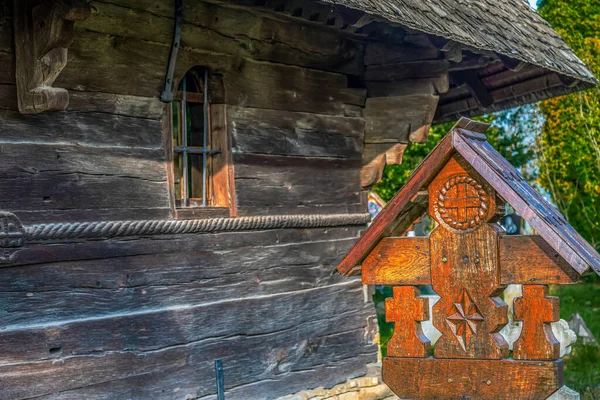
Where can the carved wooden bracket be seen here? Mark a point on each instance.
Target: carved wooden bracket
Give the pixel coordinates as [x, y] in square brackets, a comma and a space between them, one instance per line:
[43, 34]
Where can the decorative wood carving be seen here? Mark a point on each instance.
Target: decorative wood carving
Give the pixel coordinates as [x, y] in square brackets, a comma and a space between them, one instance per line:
[43, 33]
[536, 310]
[406, 309]
[12, 236]
[468, 260]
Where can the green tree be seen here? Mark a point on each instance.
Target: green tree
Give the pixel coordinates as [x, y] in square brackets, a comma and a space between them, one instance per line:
[569, 165]
[569, 156]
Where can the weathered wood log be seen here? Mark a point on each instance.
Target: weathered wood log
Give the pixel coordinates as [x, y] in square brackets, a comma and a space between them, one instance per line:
[226, 30]
[294, 181]
[295, 134]
[245, 80]
[483, 379]
[384, 53]
[409, 70]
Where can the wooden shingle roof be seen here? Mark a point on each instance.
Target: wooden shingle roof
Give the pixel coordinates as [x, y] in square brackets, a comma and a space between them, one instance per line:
[508, 28]
[466, 140]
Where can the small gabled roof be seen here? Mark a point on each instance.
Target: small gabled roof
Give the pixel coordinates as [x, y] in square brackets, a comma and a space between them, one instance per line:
[466, 138]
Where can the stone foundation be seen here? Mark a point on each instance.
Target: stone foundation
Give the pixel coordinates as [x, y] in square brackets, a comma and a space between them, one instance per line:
[365, 388]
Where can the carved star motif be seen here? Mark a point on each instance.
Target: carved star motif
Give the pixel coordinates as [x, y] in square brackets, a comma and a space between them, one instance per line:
[465, 320]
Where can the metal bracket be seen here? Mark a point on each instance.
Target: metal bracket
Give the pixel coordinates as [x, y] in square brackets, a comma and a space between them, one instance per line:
[167, 94]
[220, 380]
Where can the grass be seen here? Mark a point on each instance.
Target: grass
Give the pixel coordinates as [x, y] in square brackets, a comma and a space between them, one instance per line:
[582, 366]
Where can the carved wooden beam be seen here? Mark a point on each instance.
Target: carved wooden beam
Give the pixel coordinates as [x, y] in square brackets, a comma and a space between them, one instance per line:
[477, 88]
[527, 260]
[43, 34]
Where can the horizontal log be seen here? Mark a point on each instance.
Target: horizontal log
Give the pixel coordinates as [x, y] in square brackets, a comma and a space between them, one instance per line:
[527, 260]
[398, 261]
[146, 330]
[82, 129]
[51, 293]
[296, 181]
[249, 374]
[408, 70]
[530, 260]
[247, 358]
[230, 31]
[385, 53]
[295, 134]
[246, 81]
[482, 379]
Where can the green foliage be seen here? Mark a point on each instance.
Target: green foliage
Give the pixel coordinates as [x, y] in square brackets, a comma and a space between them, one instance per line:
[513, 144]
[569, 164]
[569, 145]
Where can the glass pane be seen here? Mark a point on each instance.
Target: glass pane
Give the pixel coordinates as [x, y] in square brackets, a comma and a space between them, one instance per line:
[195, 124]
[178, 172]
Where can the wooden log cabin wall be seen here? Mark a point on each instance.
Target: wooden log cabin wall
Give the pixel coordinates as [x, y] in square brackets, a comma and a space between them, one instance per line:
[313, 99]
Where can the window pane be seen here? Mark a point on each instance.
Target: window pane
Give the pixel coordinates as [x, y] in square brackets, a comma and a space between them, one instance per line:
[196, 124]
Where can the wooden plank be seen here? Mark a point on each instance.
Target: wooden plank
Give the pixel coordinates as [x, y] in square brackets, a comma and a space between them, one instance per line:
[62, 291]
[481, 379]
[222, 169]
[536, 310]
[83, 129]
[407, 310]
[150, 329]
[398, 261]
[523, 260]
[47, 177]
[295, 134]
[406, 70]
[247, 358]
[246, 81]
[530, 260]
[133, 106]
[241, 369]
[295, 181]
[386, 53]
[394, 119]
[237, 32]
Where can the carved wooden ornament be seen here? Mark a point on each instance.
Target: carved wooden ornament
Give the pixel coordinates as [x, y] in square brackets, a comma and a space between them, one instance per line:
[43, 33]
[469, 260]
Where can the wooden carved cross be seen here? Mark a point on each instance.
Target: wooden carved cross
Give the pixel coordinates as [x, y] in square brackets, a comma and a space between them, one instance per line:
[468, 259]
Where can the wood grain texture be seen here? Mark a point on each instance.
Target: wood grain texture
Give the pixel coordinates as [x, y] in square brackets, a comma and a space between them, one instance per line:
[295, 134]
[406, 310]
[418, 378]
[536, 310]
[398, 261]
[465, 273]
[530, 260]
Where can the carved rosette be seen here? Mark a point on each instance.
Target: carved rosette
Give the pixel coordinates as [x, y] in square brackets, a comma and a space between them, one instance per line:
[462, 204]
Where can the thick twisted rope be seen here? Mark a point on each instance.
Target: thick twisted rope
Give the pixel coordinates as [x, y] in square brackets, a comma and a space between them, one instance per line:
[109, 229]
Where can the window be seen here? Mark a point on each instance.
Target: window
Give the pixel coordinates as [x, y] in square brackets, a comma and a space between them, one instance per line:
[200, 150]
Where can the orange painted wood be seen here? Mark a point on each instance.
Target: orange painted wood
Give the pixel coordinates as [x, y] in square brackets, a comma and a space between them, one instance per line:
[465, 267]
[406, 309]
[536, 310]
[428, 378]
[530, 260]
[398, 261]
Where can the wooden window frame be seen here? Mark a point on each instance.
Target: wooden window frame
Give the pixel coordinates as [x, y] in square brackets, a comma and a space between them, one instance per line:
[220, 172]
